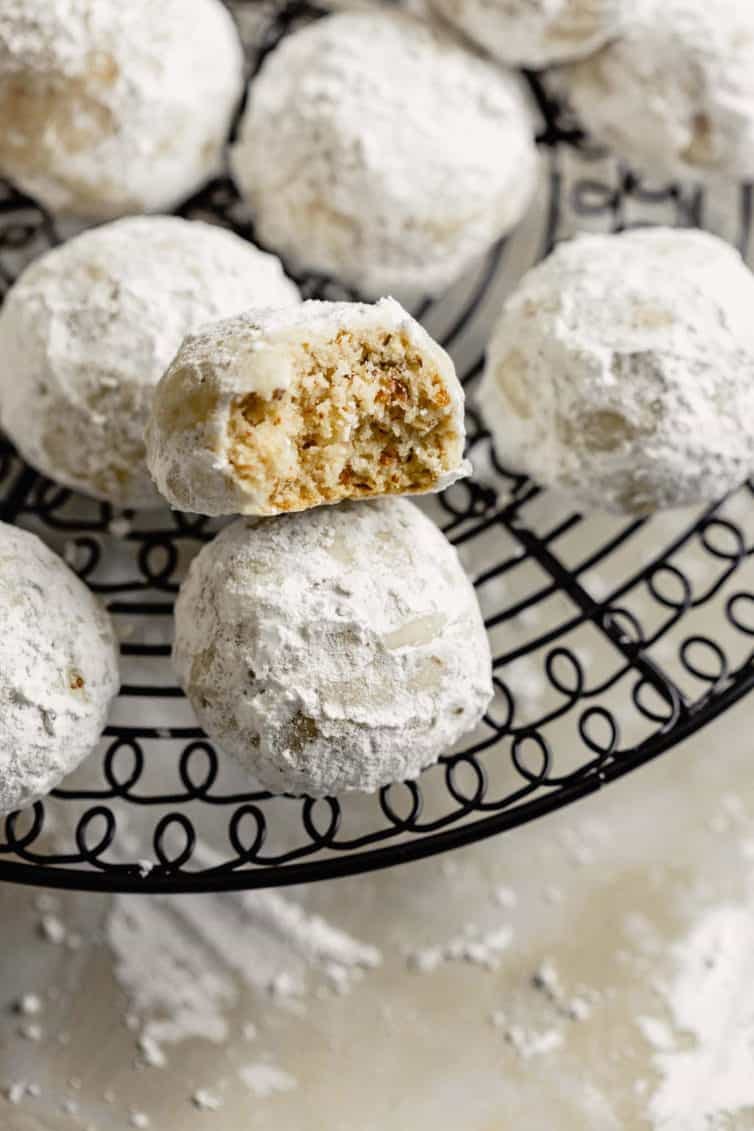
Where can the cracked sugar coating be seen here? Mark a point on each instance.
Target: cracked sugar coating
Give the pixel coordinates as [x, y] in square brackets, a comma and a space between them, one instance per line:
[89, 328]
[535, 33]
[674, 94]
[379, 150]
[335, 650]
[621, 371]
[115, 106]
[281, 410]
[58, 669]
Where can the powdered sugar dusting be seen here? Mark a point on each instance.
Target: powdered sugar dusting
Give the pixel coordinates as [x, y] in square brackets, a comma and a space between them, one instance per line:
[182, 961]
[264, 1080]
[710, 999]
[480, 949]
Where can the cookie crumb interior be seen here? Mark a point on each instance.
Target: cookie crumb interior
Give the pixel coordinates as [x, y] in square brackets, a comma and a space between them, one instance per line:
[366, 414]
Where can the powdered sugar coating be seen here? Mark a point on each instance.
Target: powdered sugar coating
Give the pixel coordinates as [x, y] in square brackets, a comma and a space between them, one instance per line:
[89, 328]
[58, 669]
[336, 650]
[376, 149]
[109, 107]
[674, 94]
[621, 371]
[189, 435]
[535, 33]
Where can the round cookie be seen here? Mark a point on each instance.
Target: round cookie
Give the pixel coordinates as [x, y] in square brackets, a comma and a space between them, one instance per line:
[377, 149]
[58, 669]
[621, 371]
[674, 94]
[535, 33]
[281, 410]
[336, 650]
[90, 327]
[115, 106]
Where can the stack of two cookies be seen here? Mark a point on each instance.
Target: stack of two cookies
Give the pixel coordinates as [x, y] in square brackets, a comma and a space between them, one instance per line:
[327, 647]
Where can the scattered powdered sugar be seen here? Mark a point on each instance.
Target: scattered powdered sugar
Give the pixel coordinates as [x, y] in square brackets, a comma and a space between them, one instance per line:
[547, 981]
[264, 1080]
[52, 929]
[205, 1100]
[711, 1000]
[119, 527]
[526, 681]
[180, 961]
[505, 897]
[527, 1043]
[16, 1092]
[30, 1005]
[657, 1032]
[168, 976]
[479, 949]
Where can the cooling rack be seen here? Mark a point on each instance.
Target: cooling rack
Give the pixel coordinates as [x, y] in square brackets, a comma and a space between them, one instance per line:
[612, 640]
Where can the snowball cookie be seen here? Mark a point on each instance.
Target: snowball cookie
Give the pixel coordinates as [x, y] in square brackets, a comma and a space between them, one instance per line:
[335, 650]
[622, 371]
[379, 150]
[535, 33]
[115, 106]
[674, 94]
[58, 669]
[89, 329]
[280, 410]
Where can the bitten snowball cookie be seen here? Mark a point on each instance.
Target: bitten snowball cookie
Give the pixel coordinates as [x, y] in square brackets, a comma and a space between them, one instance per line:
[58, 669]
[280, 410]
[115, 106]
[535, 33]
[379, 150]
[674, 94]
[89, 329]
[336, 650]
[622, 371]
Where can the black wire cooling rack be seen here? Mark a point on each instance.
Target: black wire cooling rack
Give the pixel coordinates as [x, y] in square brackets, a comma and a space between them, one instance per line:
[612, 640]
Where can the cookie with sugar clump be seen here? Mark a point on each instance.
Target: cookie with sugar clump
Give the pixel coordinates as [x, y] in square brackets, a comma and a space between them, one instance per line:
[673, 94]
[89, 328]
[340, 649]
[621, 371]
[115, 106]
[536, 33]
[58, 669]
[377, 149]
[282, 410]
